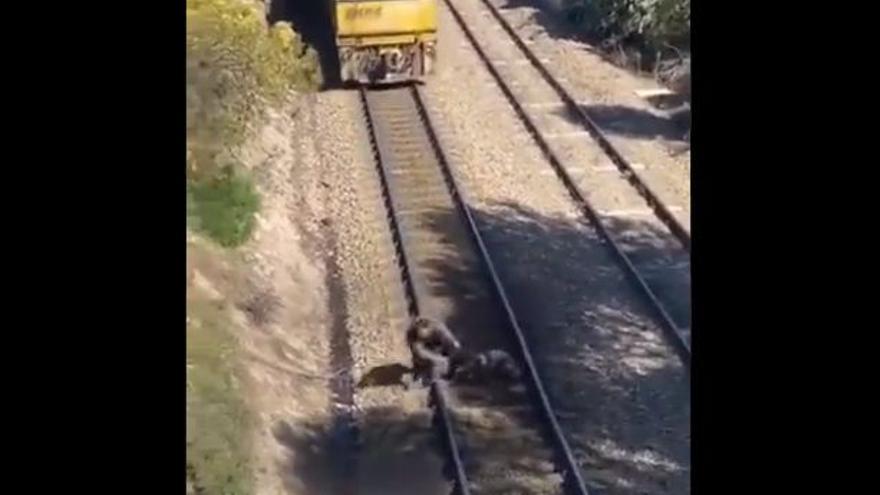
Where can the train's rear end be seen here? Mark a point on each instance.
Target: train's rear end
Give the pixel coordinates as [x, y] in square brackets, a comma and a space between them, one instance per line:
[385, 41]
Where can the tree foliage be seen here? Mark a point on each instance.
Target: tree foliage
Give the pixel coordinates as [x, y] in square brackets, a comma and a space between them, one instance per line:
[654, 24]
[235, 65]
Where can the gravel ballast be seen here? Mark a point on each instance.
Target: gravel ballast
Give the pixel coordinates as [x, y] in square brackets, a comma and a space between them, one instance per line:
[621, 392]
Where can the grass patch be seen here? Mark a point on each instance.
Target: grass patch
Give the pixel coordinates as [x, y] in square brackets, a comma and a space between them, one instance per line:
[218, 423]
[223, 206]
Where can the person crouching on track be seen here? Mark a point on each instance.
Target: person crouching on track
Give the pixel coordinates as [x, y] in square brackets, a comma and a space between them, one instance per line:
[438, 355]
[432, 345]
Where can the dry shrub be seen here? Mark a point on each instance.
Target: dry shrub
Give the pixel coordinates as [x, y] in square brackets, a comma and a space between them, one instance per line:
[235, 66]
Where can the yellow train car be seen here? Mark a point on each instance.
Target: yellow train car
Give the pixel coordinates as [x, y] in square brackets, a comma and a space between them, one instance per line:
[382, 41]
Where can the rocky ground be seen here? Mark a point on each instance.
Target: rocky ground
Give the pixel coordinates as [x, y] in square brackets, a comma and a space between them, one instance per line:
[317, 308]
[644, 133]
[622, 391]
[322, 319]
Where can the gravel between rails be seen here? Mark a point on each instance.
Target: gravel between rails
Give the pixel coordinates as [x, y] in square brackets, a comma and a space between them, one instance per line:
[620, 390]
[398, 452]
[640, 132]
[505, 446]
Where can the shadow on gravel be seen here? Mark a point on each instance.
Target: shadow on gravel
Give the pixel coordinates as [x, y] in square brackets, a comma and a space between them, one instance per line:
[554, 25]
[400, 454]
[311, 19]
[620, 120]
[619, 389]
[635, 122]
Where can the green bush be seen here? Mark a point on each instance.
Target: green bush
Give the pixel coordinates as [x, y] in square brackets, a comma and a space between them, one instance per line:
[223, 206]
[649, 25]
[671, 23]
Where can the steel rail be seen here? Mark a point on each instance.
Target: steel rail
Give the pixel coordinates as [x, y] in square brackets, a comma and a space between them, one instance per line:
[437, 391]
[670, 327]
[596, 132]
[572, 475]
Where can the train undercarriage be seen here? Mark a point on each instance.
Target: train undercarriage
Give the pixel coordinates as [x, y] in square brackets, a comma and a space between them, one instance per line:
[386, 63]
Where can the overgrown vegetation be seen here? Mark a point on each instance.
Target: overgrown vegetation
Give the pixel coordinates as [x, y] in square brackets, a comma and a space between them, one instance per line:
[236, 66]
[217, 420]
[650, 30]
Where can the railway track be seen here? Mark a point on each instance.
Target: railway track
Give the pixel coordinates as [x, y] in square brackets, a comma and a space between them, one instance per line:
[500, 440]
[605, 186]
